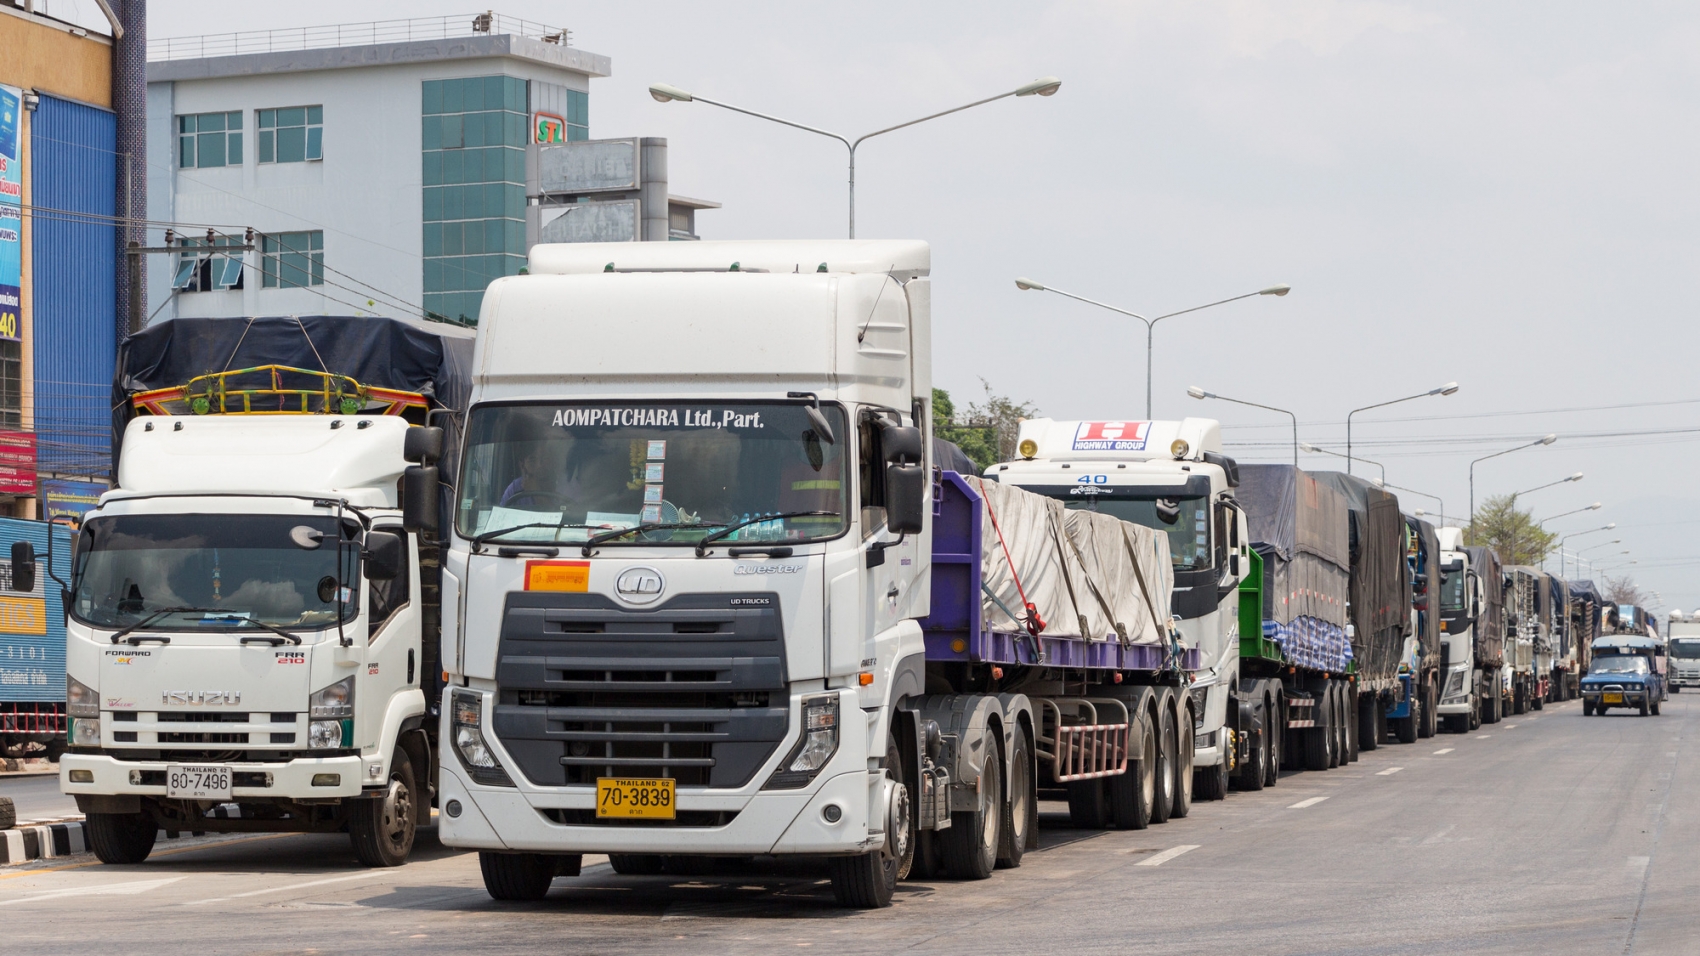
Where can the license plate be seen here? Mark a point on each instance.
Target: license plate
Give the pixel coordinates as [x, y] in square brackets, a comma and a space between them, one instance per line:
[627, 798]
[197, 782]
[1611, 698]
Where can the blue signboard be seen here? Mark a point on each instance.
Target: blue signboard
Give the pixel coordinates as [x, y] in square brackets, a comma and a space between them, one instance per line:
[67, 501]
[11, 211]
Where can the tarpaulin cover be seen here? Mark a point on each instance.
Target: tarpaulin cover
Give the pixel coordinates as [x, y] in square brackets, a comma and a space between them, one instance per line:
[1428, 562]
[1490, 617]
[432, 359]
[1381, 580]
[1585, 610]
[949, 456]
[1077, 567]
[1299, 527]
[1524, 622]
[1559, 603]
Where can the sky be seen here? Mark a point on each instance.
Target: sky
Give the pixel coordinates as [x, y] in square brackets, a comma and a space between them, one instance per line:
[1501, 195]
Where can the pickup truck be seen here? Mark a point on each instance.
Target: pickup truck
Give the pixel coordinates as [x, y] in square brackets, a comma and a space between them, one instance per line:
[1624, 673]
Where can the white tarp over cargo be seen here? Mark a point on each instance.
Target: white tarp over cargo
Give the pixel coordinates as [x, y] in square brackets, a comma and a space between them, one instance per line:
[1088, 573]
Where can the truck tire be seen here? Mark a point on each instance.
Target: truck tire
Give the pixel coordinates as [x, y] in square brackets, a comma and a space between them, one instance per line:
[1368, 738]
[1251, 773]
[1185, 746]
[1132, 793]
[1676, 688]
[1457, 723]
[1211, 783]
[1655, 707]
[517, 877]
[1164, 804]
[1519, 699]
[1348, 708]
[1492, 702]
[1089, 803]
[1276, 732]
[1021, 810]
[1319, 740]
[636, 864]
[1538, 701]
[970, 845]
[1475, 713]
[382, 828]
[120, 837]
[867, 881]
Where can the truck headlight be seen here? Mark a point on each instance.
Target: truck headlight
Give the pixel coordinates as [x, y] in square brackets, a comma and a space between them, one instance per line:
[80, 699]
[324, 734]
[466, 727]
[817, 745]
[85, 731]
[1454, 684]
[335, 702]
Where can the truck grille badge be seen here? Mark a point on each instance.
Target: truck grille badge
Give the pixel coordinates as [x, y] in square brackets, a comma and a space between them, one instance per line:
[199, 698]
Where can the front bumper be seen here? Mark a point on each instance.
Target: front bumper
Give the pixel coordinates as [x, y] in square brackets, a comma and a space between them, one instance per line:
[290, 779]
[1631, 695]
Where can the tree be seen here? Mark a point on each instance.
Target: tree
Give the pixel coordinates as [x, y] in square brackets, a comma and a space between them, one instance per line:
[1502, 526]
[987, 431]
[1622, 590]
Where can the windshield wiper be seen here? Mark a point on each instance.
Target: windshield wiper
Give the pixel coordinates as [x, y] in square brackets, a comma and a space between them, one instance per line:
[557, 525]
[291, 638]
[711, 537]
[606, 536]
[156, 615]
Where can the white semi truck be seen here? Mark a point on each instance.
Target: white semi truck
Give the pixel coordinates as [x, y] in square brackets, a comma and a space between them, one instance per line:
[711, 599]
[1171, 476]
[251, 634]
[1472, 635]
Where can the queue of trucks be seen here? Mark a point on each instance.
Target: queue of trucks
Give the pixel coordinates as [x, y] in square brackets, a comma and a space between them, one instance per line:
[667, 565]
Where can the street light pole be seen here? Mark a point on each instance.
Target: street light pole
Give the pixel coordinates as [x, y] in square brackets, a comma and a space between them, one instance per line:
[1307, 446]
[1200, 393]
[1578, 551]
[1575, 477]
[1028, 285]
[1545, 440]
[1420, 494]
[663, 93]
[1450, 388]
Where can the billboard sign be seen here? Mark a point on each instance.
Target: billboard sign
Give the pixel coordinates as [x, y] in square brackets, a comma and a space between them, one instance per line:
[11, 211]
[66, 501]
[592, 165]
[17, 463]
[548, 128]
[613, 221]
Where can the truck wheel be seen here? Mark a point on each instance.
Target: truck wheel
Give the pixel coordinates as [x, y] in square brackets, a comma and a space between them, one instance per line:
[1431, 708]
[1369, 736]
[1276, 735]
[1319, 740]
[517, 877]
[1185, 747]
[1132, 793]
[1539, 701]
[120, 837]
[1250, 776]
[382, 829]
[867, 881]
[1676, 688]
[1655, 708]
[1475, 714]
[1348, 708]
[636, 864]
[1088, 804]
[1021, 810]
[1164, 805]
[971, 843]
[1211, 783]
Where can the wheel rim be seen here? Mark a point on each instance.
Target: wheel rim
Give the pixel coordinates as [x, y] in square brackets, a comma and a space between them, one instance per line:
[991, 783]
[1148, 772]
[897, 827]
[397, 814]
[1018, 805]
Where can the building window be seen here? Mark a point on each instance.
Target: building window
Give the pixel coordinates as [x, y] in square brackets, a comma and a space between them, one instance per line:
[11, 384]
[291, 260]
[292, 135]
[206, 140]
[199, 270]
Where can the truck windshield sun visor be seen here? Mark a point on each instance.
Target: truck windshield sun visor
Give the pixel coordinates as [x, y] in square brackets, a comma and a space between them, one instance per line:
[211, 572]
[653, 473]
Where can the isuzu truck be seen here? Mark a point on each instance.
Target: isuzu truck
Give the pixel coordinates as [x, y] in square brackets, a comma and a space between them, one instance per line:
[712, 598]
[251, 643]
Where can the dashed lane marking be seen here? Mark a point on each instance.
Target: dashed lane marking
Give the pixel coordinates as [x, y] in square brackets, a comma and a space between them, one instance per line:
[1313, 801]
[1390, 771]
[285, 889]
[1446, 750]
[1507, 727]
[1483, 736]
[110, 889]
[1167, 855]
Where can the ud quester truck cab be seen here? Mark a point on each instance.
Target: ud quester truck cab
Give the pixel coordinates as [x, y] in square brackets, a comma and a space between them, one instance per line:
[250, 643]
[712, 599]
[1170, 476]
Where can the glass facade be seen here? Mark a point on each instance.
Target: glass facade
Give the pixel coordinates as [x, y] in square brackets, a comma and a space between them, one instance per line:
[292, 260]
[207, 140]
[473, 132]
[292, 135]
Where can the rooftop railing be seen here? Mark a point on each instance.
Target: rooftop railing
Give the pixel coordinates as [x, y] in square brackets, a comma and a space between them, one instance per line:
[353, 34]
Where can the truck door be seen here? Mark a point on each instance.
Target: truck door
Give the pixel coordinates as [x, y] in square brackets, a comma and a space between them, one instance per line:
[393, 627]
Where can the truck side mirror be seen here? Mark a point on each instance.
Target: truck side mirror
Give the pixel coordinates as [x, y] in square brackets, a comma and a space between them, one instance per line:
[421, 510]
[384, 555]
[422, 445]
[905, 479]
[23, 565]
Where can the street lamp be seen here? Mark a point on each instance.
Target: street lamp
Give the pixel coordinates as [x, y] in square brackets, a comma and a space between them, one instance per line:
[1593, 507]
[1578, 534]
[1546, 440]
[1575, 477]
[1312, 449]
[1450, 388]
[1200, 393]
[1420, 494]
[663, 93]
[1028, 285]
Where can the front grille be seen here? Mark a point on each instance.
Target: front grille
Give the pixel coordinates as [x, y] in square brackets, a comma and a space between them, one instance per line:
[693, 689]
[201, 717]
[686, 818]
[172, 737]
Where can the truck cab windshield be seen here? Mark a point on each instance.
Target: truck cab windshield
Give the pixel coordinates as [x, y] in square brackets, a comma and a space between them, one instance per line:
[219, 568]
[1453, 601]
[1685, 647]
[1187, 520]
[563, 472]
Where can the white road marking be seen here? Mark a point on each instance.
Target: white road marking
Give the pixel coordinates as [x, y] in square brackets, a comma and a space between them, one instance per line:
[109, 889]
[1483, 736]
[1390, 771]
[286, 889]
[1445, 751]
[1507, 727]
[1638, 866]
[1167, 855]
[1313, 801]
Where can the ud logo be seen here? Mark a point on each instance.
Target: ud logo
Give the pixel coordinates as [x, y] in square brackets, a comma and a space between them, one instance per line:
[639, 585]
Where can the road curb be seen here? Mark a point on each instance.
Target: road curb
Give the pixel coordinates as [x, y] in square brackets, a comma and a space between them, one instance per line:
[44, 841]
